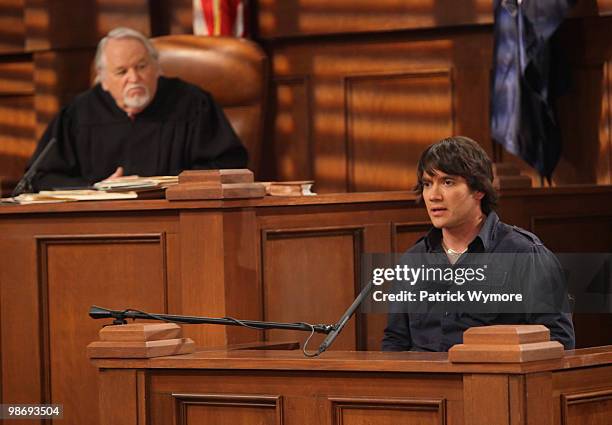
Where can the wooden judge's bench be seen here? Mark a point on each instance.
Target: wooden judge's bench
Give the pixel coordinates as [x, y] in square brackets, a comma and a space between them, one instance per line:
[278, 259]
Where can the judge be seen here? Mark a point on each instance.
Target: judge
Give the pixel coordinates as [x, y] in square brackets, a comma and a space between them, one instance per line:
[135, 121]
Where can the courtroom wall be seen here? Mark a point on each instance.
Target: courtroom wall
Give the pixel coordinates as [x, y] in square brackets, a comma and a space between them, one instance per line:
[361, 87]
[358, 88]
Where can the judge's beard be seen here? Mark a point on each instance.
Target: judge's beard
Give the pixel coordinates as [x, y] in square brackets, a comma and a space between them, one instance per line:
[138, 101]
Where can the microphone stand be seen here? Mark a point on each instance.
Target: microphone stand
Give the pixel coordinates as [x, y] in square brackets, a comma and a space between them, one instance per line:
[120, 318]
[25, 184]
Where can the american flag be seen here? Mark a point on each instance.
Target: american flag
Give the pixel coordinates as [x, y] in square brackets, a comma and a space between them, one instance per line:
[221, 17]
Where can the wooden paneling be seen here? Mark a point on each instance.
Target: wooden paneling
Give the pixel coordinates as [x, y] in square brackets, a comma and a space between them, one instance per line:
[374, 388]
[121, 271]
[292, 124]
[282, 18]
[535, 408]
[16, 76]
[118, 388]
[406, 234]
[52, 24]
[324, 265]
[21, 368]
[583, 119]
[604, 6]
[311, 396]
[604, 159]
[202, 273]
[486, 399]
[339, 33]
[583, 398]
[242, 277]
[46, 290]
[366, 411]
[593, 407]
[58, 78]
[17, 121]
[171, 17]
[46, 19]
[12, 28]
[192, 409]
[575, 233]
[392, 118]
[375, 103]
[17, 117]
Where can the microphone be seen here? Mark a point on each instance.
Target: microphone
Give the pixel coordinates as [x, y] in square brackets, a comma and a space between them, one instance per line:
[337, 328]
[25, 184]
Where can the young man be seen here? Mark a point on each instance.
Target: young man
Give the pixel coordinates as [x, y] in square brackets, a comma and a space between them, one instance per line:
[135, 121]
[455, 180]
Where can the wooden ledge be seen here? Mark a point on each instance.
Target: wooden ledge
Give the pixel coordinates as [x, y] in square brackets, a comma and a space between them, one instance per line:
[215, 184]
[140, 340]
[506, 344]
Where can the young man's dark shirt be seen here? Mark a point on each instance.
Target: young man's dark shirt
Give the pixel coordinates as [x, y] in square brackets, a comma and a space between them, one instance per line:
[439, 332]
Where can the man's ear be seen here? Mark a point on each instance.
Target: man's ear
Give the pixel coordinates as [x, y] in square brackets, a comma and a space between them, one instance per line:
[479, 195]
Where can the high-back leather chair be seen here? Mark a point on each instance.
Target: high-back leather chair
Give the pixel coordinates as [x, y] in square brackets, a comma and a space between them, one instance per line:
[233, 70]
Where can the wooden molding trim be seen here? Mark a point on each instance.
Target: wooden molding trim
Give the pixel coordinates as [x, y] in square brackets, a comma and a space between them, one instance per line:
[183, 401]
[568, 400]
[340, 404]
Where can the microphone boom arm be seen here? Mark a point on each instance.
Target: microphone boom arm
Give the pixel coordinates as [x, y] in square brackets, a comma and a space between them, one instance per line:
[121, 316]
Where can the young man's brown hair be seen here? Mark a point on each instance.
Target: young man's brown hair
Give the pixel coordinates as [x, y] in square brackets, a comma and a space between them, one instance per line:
[460, 156]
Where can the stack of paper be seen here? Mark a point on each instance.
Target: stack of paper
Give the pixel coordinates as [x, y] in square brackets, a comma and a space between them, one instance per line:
[137, 183]
[51, 196]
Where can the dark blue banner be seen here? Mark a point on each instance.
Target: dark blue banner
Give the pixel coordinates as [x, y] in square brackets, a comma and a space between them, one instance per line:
[522, 117]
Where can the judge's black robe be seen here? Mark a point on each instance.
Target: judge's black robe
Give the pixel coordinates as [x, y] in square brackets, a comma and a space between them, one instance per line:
[182, 128]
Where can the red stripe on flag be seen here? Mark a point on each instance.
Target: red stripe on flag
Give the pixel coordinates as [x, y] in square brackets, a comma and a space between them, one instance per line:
[232, 17]
[209, 15]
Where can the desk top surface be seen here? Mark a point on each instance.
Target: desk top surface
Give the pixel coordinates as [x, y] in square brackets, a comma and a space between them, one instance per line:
[355, 361]
[163, 204]
[406, 197]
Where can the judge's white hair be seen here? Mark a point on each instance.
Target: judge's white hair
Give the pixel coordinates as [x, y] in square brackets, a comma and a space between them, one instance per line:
[117, 34]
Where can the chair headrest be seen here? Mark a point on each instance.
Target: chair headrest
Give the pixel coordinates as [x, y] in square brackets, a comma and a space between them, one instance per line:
[229, 68]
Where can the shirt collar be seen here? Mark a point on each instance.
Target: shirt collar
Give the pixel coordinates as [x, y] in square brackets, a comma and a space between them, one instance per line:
[481, 243]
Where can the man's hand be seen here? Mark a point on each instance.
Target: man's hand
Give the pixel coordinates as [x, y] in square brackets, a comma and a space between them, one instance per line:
[118, 173]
